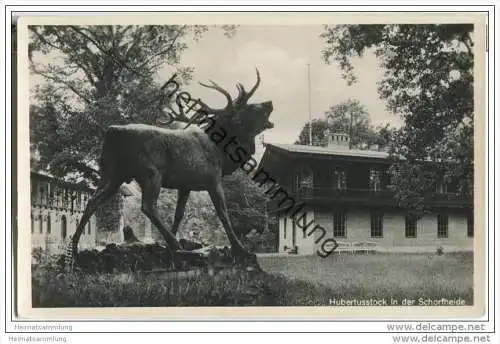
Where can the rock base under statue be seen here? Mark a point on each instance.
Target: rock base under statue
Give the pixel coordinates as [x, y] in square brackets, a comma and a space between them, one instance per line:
[138, 256]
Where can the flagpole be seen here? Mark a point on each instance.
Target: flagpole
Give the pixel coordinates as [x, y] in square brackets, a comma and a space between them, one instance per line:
[309, 101]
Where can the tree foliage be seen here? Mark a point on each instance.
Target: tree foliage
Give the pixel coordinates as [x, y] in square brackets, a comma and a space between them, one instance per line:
[95, 76]
[349, 117]
[428, 81]
[246, 203]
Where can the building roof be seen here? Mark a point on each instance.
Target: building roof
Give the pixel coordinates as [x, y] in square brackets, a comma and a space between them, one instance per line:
[125, 189]
[330, 150]
[43, 175]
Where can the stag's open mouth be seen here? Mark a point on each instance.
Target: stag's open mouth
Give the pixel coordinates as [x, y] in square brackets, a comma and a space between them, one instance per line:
[270, 108]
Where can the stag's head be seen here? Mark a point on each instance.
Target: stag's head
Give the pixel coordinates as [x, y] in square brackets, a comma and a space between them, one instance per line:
[252, 118]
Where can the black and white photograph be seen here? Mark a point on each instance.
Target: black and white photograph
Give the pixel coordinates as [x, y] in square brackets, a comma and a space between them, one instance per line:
[332, 164]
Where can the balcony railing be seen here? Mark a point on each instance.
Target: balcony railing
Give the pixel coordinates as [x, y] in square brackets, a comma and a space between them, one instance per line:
[312, 192]
[59, 198]
[315, 193]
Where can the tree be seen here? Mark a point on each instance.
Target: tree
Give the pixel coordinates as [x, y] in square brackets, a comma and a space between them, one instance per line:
[428, 81]
[349, 117]
[96, 76]
[319, 127]
[246, 203]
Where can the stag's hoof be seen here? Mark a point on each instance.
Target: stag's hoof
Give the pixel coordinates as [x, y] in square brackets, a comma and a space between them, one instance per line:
[185, 260]
[248, 261]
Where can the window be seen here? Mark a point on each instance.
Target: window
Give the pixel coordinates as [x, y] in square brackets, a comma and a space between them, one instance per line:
[40, 223]
[42, 195]
[296, 182]
[66, 199]
[304, 226]
[410, 226]
[470, 225]
[60, 197]
[339, 179]
[77, 223]
[64, 228]
[303, 177]
[50, 200]
[284, 227]
[49, 224]
[33, 192]
[339, 218]
[441, 187]
[78, 201]
[55, 202]
[376, 225]
[32, 224]
[375, 181]
[442, 226]
[90, 229]
[72, 201]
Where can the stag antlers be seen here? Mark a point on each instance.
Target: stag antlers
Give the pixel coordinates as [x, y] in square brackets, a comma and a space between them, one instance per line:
[243, 95]
[231, 106]
[241, 99]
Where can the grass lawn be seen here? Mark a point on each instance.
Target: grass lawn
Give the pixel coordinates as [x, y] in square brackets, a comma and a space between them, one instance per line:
[382, 275]
[287, 281]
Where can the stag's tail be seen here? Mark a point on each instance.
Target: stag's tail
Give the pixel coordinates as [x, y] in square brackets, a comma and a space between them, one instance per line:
[113, 148]
[104, 161]
[108, 160]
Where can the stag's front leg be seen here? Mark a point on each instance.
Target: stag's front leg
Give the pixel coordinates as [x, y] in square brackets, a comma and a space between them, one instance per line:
[239, 252]
[150, 191]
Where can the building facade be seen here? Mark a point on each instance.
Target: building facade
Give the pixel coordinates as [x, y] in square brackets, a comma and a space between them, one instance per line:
[345, 191]
[56, 209]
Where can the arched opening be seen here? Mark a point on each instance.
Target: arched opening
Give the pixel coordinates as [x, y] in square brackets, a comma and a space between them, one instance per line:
[64, 227]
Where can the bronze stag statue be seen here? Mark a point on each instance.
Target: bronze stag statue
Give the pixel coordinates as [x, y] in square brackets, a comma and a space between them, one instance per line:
[183, 159]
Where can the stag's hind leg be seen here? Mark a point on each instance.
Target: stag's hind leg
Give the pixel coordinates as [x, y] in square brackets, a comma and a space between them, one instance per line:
[104, 192]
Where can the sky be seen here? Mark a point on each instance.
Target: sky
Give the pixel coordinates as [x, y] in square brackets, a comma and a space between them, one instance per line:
[281, 53]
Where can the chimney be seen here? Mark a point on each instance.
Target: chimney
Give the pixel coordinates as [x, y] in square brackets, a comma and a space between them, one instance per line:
[337, 139]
